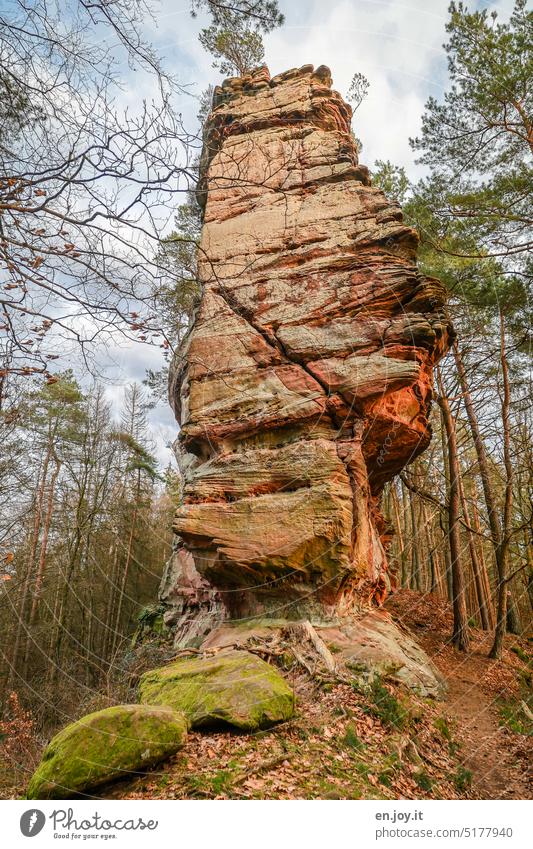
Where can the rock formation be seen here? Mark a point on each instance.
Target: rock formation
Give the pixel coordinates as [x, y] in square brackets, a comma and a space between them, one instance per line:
[304, 383]
[302, 387]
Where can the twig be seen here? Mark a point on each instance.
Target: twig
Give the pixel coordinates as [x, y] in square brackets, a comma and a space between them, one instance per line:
[264, 766]
[302, 661]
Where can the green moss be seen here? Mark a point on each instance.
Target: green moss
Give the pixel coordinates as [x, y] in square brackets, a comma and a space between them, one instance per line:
[525, 679]
[351, 740]
[105, 745]
[151, 624]
[512, 715]
[441, 724]
[385, 779]
[424, 781]
[328, 790]
[462, 779]
[519, 652]
[208, 786]
[233, 688]
[389, 768]
[385, 706]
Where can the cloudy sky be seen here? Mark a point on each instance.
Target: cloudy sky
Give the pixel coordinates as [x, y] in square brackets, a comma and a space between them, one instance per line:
[396, 45]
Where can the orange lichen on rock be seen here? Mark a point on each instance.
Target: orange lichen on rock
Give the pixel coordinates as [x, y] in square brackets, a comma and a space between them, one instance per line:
[304, 383]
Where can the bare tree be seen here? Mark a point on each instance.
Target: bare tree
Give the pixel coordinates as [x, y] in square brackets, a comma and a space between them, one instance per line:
[86, 187]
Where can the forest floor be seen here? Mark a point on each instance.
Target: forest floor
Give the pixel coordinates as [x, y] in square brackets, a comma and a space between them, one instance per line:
[352, 742]
[485, 700]
[345, 744]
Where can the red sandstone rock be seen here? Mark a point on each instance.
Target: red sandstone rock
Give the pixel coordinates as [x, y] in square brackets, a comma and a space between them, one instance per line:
[305, 381]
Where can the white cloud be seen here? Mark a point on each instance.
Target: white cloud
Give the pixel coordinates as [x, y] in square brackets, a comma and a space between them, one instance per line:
[397, 45]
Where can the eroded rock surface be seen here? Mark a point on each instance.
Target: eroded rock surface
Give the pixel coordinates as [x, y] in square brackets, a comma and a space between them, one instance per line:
[232, 688]
[363, 648]
[304, 383]
[375, 646]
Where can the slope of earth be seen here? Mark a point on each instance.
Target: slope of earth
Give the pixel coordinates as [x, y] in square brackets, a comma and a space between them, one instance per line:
[351, 742]
[341, 745]
[489, 702]
[382, 743]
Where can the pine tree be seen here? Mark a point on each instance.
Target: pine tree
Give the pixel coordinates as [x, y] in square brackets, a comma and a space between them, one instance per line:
[234, 37]
[478, 142]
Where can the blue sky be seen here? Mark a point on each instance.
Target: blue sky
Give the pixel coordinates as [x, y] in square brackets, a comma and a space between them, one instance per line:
[397, 45]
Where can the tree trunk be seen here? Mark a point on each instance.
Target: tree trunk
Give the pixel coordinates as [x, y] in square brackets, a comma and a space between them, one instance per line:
[405, 514]
[513, 617]
[499, 534]
[460, 636]
[44, 543]
[481, 560]
[127, 563]
[399, 533]
[503, 547]
[21, 613]
[479, 445]
[444, 519]
[529, 550]
[42, 561]
[482, 604]
[414, 582]
[432, 578]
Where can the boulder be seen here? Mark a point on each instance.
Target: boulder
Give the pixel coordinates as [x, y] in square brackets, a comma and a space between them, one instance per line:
[376, 646]
[104, 746]
[233, 688]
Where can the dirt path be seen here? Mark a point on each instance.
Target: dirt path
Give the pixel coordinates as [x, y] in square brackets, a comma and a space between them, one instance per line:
[487, 753]
[501, 762]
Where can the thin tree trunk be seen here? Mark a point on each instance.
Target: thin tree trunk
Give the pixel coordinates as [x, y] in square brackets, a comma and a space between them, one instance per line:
[405, 513]
[479, 445]
[414, 582]
[399, 534]
[128, 561]
[481, 560]
[63, 606]
[123, 581]
[440, 573]
[444, 519]
[44, 543]
[21, 620]
[503, 547]
[482, 605]
[109, 618]
[498, 533]
[460, 636]
[529, 554]
[42, 561]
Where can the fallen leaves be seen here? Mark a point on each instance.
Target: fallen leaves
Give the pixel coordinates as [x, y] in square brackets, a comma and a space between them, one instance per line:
[335, 748]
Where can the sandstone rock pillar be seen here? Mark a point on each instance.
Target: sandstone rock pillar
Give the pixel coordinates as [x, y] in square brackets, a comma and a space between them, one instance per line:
[304, 383]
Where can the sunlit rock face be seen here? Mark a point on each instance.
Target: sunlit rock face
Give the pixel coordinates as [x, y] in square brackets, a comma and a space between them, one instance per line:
[305, 381]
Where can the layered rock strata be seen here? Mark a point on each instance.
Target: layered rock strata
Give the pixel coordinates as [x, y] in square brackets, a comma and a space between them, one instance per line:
[304, 383]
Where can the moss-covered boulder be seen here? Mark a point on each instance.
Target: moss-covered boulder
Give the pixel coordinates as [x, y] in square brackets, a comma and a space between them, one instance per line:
[104, 746]
[231, 688]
